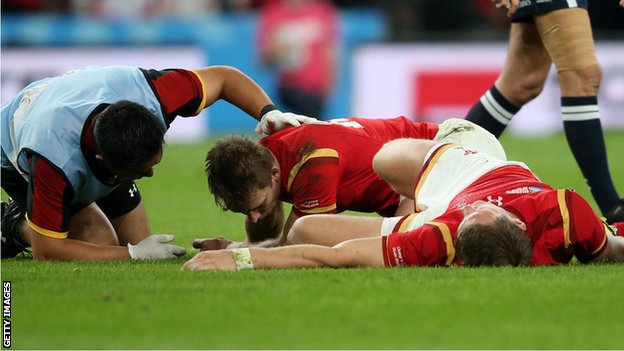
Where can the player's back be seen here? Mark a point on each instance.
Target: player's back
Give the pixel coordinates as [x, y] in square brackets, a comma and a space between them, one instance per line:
[561, 224]
[350, 144]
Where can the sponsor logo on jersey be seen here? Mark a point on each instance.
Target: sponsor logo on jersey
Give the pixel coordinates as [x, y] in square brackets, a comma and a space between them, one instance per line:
[525, 190]
[398, 256]
[309, 204]
[498, 201]
[468, 151]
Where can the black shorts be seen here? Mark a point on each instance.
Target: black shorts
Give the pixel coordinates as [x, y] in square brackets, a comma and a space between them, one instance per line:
[528, 8]
[123, 199]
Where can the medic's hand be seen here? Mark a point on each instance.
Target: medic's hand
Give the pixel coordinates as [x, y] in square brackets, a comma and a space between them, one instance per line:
[154, 248]
[277, 120]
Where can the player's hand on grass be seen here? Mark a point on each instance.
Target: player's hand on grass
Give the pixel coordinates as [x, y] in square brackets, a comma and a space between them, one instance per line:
[277, 120]
[154, 247]
[218, 243]
[220, 260]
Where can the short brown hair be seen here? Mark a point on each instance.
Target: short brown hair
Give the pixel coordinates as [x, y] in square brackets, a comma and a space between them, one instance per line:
[501, 243]
[236, 166]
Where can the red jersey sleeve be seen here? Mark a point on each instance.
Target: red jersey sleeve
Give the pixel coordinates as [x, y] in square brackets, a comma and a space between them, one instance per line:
[428, 245]
[180, 92]
[48, 211]
[313, 183]
[561, 225]
[587, 234]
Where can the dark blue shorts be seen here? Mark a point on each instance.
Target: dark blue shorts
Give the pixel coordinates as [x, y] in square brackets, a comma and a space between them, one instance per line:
[123, 199]
[528, 8]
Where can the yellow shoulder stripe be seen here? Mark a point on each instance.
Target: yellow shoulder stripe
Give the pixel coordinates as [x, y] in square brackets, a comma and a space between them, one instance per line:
[203, 102]
[324, 152]
[565, 215]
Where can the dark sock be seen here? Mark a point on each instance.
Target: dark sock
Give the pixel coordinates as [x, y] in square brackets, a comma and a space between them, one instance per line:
[492, 112]
[583, 130]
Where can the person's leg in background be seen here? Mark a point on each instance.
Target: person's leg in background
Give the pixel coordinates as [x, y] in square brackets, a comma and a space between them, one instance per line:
[521, 80]
[567, 35]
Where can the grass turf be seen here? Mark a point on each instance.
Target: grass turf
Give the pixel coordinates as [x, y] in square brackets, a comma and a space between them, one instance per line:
[153, 305]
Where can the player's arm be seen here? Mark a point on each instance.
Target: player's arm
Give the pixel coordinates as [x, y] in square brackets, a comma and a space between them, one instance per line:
[47, 226]
[353, 253]
[233, 86]
[46, 248]
[153, 247]
[187, 93]
[220, 243]
[332, 229]
[263, 233]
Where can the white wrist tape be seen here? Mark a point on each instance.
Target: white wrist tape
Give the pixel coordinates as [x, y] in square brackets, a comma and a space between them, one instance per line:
[242, 258]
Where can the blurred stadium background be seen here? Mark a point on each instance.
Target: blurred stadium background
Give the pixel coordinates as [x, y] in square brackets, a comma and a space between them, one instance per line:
[425, 59]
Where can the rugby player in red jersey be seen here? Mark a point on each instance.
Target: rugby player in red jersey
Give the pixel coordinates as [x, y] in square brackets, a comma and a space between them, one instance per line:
[470, 208]
[558, 32]
[321, 168]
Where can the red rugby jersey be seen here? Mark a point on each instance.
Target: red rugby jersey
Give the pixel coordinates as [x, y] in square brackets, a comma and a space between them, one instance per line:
[560, 223]
[327, 168]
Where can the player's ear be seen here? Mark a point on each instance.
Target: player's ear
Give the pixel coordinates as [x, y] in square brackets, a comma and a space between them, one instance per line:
[275, 173]
[519, 223]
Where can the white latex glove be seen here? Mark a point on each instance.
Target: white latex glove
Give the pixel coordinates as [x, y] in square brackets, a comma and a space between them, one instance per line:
[154, 248]
[277, 120]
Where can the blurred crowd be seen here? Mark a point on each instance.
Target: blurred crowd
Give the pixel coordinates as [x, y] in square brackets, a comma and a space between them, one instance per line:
[407, 19]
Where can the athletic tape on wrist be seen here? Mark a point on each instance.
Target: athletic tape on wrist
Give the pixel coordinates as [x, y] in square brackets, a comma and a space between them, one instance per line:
[242, 258]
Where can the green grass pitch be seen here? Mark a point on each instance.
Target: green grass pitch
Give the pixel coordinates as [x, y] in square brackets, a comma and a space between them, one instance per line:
[153, 305]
